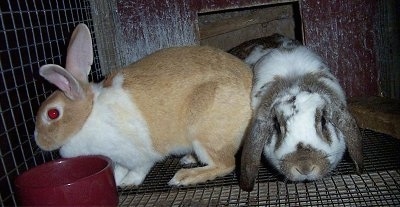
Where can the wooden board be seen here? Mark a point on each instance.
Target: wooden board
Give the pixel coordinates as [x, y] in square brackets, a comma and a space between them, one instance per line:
[377, 113]
[227, 29]
[341, 31]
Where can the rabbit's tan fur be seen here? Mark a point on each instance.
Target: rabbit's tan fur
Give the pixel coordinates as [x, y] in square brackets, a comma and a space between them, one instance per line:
[179, 100]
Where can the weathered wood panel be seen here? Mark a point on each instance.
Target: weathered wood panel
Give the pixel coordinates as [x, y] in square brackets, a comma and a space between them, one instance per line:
[215, 5]
[221, 24]
[106, 30]
[227, 29]
[377, 113]
[343, 33]
[388, 47]
[147, 26]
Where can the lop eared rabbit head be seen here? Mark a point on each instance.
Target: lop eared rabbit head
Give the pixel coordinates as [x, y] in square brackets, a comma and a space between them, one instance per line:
[300, 120]
[182, 100]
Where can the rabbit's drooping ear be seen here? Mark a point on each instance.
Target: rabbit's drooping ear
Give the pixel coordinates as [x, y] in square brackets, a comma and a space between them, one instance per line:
[260, 132]
[64, 80]
[253, 146]
[80, 53]
[348, 126]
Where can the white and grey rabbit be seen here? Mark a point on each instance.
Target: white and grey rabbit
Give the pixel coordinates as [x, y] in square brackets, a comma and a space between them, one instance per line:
[181, 100]
[301, 121]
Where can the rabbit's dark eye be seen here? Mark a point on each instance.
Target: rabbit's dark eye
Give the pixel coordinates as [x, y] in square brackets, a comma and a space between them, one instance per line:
[321, 125]
[323, 122]
[277, 126]
[53, 113]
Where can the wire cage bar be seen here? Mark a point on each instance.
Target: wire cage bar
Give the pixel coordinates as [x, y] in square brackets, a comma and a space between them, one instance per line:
[32, 34]
[379, 185]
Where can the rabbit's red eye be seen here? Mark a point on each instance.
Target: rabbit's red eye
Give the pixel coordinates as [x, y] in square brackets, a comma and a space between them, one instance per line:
[53, 113]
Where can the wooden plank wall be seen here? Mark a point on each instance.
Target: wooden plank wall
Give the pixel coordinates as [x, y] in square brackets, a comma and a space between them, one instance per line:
[389, 47]
[227, 29]
[341, 31]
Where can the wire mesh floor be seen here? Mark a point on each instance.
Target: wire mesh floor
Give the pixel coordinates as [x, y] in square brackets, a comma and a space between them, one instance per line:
[379, 185]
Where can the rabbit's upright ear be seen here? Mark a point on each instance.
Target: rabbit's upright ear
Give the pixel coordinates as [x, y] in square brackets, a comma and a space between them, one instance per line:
[79, 60]
[64, 80]
[348, 126]
[80, 53]
[254, 142]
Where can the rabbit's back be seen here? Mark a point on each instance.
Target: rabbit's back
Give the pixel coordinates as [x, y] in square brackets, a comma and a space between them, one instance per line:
[182, 91]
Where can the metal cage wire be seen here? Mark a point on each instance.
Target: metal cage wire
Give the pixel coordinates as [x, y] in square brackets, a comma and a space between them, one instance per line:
[379, 185]
[34, 33]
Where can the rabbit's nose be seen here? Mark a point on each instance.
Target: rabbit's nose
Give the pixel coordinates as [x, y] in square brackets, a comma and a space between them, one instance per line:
[306, 169]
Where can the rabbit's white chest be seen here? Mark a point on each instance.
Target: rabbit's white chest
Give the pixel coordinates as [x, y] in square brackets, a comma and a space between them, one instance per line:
[115, 129]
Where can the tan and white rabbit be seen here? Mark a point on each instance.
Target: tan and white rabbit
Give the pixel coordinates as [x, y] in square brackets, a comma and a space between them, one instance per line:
[179, 100]
[300, 120]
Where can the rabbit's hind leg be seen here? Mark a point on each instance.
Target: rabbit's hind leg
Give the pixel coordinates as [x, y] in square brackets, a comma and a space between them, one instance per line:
[217, 166]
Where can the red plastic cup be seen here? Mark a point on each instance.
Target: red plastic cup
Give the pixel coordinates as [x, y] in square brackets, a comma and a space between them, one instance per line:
[79, 181]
